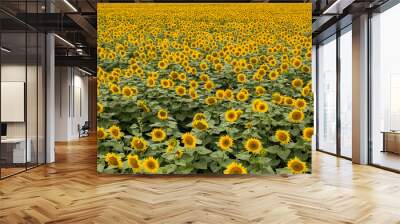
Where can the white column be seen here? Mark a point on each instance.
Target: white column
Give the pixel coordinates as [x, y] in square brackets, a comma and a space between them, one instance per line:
[360, 90]
[50, 100]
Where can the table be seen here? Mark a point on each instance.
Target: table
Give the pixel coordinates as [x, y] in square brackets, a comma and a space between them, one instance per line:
[391, 141]
[16, 147]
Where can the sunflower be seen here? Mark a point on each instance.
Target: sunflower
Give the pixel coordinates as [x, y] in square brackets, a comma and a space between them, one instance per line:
[284, 66]
[162, 114]
[277, 98]
[273, 75]
[204, 77]
[296, 116]
[150, 165]
[231, 115]
[254, 105]
[114, 89]
[182, 77]
[162, 64]
[139, 144]
[151, 82]
[101, 133]
[113, 160]
[165, 83]
[189, 140]
[209, 85]
[262, 107]
[260, 90]
[178, 154]
[288, 101]
[203, 66]
[210, 100]
[297, 83]
[253, 145]
[220, 94]
[305, 91]
[225, 142]
[308, 133]
[115, 132]
[158, 135]
[235, 168]
[171, 144]
[192, 93]
[100, 108]
[218, 66]
[134, 91]
[300, 104]
[193, 84]
[180, 90]
[297, 166]
[134, 163]
[201, 124]
[282, 136]
[173, 75]
[126, 91]
[199, 116]
[228, 94]
[296, 63]
[241, 78]
[242, 96]
[305, 69]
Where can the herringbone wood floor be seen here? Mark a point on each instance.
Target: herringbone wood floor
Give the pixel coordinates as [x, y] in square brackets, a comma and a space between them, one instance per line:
[70, 191]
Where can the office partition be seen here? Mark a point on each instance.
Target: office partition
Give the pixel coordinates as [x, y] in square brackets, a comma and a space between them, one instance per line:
[22, 77]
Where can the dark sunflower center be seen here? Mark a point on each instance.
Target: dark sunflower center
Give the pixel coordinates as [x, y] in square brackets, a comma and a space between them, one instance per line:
[134, 163]
[201, 126]
[236, 170]
[158, 134]
[113, 161]
[115, 132]
[139, 144]
[226, 142]
[151, 165]
[253, 145]
[297, 166]
[282, 136]
[189, 140]
[296, 116]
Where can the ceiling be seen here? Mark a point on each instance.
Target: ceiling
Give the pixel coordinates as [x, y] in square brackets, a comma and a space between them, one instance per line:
[72, 20]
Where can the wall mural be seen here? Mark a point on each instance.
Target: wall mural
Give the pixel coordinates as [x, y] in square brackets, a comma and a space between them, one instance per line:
[204, 88]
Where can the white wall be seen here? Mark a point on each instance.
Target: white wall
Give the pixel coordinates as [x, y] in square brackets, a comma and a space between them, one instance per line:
[71, 102]
[33, 127]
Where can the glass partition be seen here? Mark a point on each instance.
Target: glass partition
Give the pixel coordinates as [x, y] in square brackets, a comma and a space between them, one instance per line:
[327, 95]
[14, 155]
[22, 77]
[346, 92]
[385, 89]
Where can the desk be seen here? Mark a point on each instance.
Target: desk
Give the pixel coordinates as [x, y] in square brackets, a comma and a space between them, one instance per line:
[17, 148]
[391, 141]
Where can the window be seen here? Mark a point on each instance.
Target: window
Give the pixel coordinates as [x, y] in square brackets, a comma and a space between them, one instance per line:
[385, 89]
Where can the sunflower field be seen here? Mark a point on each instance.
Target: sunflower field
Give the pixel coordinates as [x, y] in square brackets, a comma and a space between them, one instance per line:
[204, 88]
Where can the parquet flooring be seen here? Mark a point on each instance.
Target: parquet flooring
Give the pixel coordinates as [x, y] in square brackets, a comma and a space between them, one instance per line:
[70, 191]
